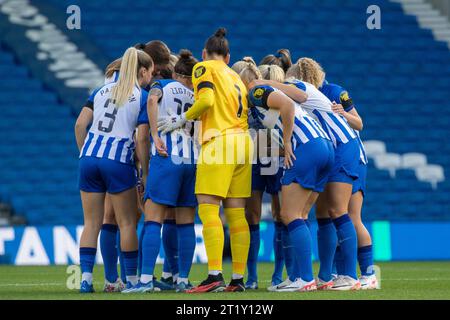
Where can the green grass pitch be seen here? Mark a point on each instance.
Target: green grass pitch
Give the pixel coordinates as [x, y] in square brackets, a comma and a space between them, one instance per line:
[399, 280]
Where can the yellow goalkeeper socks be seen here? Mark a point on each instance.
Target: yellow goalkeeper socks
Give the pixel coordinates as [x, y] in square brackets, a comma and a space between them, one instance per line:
[212, 234]
[239, 237]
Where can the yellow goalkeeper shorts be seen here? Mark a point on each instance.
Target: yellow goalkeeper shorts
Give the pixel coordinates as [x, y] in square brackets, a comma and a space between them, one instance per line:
[224, 166]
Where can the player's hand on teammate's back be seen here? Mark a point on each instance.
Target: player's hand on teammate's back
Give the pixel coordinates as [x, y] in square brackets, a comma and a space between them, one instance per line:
[337, 108]
[289, 156]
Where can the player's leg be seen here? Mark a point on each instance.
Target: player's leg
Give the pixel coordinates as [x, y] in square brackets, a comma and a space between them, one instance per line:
[170, 245]
[253, 215]
[186, 245]
[110, 249]
[365, 256]
[213, 237]
[234, 208]
[93, 209]
[277, 275]
[125, 207]
[337, 195]
[185, 217]
[92, 191]
[294, 197]
[213, 178]
[239, 240]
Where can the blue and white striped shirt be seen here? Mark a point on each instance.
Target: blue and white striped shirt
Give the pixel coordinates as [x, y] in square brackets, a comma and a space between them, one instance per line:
[176, 99]
[112, 129]
[305, 127]
[319, 106]
[336, 93]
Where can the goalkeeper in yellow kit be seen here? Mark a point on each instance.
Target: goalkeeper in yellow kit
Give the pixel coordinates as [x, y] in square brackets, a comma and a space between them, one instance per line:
[224, 165]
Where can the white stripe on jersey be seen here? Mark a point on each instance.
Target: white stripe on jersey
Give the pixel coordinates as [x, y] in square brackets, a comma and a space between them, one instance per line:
[319, 106]
[91, 146]
[313, 132]
[334, 126]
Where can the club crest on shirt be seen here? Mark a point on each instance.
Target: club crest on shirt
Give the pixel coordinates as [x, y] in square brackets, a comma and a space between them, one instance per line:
[344, 96]
[258, 93]
[199, 71]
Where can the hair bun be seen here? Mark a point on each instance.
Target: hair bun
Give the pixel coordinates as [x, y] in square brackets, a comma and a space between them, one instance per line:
[221, 33]
[139, 46]
[185, 54]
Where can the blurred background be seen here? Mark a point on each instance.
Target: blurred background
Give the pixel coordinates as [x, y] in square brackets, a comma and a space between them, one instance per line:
[398, 76]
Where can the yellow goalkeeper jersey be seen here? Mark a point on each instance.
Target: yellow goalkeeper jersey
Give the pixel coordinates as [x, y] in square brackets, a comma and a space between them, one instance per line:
[230, 110]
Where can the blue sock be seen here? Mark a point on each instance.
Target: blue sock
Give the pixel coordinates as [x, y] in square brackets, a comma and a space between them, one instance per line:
[186, 248]
[288, 252]
[327, 240]
[123, 274]
[365, 259]
[108, 236]
[253, 251]
[150, 246]
[277, 276]
[302, 243]
[87, 259]
[131, 261]
[338, 261]
[141, 237]
[348, 242]
[170, 245]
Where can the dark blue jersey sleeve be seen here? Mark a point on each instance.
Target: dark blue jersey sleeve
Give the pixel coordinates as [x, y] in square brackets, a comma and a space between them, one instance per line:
[90, 101]
[258, 96]
[300, 85]
[143, 117]
[346, 100]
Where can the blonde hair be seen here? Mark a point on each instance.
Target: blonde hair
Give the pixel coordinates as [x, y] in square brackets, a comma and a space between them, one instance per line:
[132, 61]
[240, 65]
[173, 60]
[249, 73]
[309, 70]
[272, 72]
[113, 67]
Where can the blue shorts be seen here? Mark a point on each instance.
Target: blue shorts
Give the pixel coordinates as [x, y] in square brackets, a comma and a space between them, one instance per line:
[171, 184]
[266, 183]
[346, 162]
[313, 164]
[105, 175]
[360, 183]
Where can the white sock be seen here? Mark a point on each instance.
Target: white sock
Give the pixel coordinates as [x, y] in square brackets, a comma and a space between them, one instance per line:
[175, 278]
[86, 276]
[185, 280]
[236, 276]
[133, 280]
[166, 275]
[214, 272]
[146, 278]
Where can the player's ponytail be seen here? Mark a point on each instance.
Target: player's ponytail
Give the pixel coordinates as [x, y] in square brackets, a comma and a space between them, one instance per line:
[249, 73]
[282, 59]
[308, 70]
[132, 61]
[218, 44]
[185, 64]
[272, 72]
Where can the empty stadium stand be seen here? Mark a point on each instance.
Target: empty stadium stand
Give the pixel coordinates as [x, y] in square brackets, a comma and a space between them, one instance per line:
[399, 77]
[38, 155]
